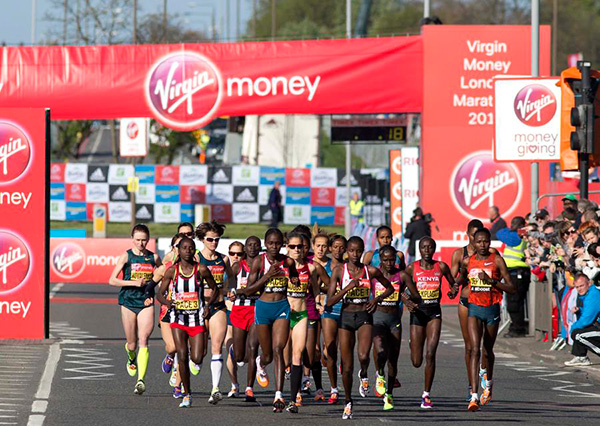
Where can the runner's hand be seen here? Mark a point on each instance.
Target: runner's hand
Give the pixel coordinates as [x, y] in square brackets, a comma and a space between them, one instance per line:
[483, 276]
[371, 306]
[149, 301]
[206, 312]
[353, 284]
[273, 271]
[453, 292]
[139, 283]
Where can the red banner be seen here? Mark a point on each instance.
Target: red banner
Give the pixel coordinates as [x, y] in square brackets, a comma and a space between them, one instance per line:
[461, 180]
[22, 223]
[185, 85]
[396, 191]
[87, 260]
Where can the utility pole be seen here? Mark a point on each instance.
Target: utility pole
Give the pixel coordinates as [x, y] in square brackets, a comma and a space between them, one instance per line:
[273, 18]
[426, 9]
[554, 34]
[237, 21]
[347, 224]
[134, 21]
[33, 13]
[254, 18]
[66, 13]
[227, 20]
[165, 37]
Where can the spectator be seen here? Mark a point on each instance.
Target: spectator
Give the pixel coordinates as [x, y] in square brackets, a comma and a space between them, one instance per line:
[356, 209]
[496, 221]
[514, 256]
[569, 201]
[542, 217]
[586, 330]
[275, 205]
[417, 228]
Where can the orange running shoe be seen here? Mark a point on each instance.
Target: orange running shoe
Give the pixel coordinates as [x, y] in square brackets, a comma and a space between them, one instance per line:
[320, 395]
[333, 399]
[250, 395]
[473, 405]
[486, 396]
[299, 400]
[261, 375]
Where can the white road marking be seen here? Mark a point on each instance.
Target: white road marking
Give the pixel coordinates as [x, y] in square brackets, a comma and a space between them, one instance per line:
[89, 361]
[36, 420]
[57, 287]
[43, 392]
[39, 406]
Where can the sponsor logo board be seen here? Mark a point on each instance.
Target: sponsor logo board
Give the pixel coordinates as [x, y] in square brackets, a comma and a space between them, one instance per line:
[193, 174]
[245, 213]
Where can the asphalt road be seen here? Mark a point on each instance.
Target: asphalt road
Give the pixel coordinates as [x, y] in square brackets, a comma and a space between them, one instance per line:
[91, 387]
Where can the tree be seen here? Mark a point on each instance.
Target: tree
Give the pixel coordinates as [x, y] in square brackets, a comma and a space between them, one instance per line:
[71, 135]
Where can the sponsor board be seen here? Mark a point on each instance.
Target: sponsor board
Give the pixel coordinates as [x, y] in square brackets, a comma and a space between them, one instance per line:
[322, 215]
[58, 210]
[97, 192]
[57, 191]
[297, 177]
[355, 178]
[341, 198]
[296, 215]
[166, 175]
[87, 260]
[245, 194]
[264, 191]
[244, 175]
[268, 175]
[192, 194]
[265, 214]
[245, 213]
[219, 194]
[75, 192]
[90, 210]
[97, 173]
[57, 172]
[322, 196]
[297, 195]
[322, 177]
[119, 212]
[167, 193]
[527, 119]
[76, 173]
[196, 174]
[76, 211]
[187, 213]
[221, 212]
[219, 175]
[119, 193]
[396, 191]
[146, 193]
[133, 137]
[340, 215]
[410, 182]
[144, 212]
[167, 212]
[145, 173]
[119, 174]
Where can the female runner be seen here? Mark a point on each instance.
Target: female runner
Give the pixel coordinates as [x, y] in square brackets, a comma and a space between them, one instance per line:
[354, 283]
[186, 305]
[216, 321]
[236, 255]
[137, 265]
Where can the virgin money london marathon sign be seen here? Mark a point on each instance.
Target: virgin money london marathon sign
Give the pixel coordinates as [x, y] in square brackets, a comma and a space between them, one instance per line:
[23, 233]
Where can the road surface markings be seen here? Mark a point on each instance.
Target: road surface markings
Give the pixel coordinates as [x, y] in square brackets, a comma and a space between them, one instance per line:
[89, 361]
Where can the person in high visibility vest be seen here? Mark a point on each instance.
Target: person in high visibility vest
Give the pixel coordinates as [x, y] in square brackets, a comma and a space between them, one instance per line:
[356, 208]
[514, 256]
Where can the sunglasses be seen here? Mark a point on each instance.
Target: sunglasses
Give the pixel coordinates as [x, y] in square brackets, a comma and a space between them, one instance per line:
[570, 232]
[236, 253]
[295, 246]
[188, 234]
[212, 240]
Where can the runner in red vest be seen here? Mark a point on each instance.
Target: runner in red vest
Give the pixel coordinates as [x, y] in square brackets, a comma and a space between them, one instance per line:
[488, 277]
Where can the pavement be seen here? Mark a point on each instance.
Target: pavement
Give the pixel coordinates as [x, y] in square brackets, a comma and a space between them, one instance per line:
[79, 378]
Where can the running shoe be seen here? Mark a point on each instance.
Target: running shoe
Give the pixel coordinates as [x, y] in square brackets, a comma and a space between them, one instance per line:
[579, 361]
[363, 387]
[234, 392]
[132, 366]
[482, 379]
[299, 400]
[380, 386]
[292, 408]
[195, 368]
[240, 364]
[486, 396]
[186, 402]
[388, 402]
[347, 414]
[167, 364]
[140, 387]
[278, 405]
[215, 396]
[468, 398]
[288, 373]
[261, 375]
[426, 402]
[173, 378]
[250, 396]
[397, 384]
[319, 395]
[178, 392]
[473, 405]
[306, 385]
[333, 399]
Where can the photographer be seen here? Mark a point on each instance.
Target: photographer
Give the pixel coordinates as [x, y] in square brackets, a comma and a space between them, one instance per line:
[418, 228]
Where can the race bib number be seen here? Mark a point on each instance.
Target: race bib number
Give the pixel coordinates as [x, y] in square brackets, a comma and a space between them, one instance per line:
[361, 292]
[394, 297]
[187, 301]
[477, 285]
[144, 271]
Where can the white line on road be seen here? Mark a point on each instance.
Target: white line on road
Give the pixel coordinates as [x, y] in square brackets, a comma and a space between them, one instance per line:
[56, 289]
[43, 391]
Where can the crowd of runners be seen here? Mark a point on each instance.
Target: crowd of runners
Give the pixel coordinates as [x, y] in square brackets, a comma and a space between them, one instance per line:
[307, 300]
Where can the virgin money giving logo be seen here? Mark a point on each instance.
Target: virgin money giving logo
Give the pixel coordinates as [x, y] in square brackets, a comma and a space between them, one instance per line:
[132, 130]
[535, 105]
[478, 183]
[184, 90]
[15, 152]
[15, 262]
[68, 260]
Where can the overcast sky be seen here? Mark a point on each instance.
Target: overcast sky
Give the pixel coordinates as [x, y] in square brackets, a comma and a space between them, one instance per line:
[16, 19]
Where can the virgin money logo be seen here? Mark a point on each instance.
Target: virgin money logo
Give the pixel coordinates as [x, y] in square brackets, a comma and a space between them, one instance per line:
[535, 105]
[132, 130]
[15, 262]
[184, 90]
[15, 152]
[68, 260]
[478, 183]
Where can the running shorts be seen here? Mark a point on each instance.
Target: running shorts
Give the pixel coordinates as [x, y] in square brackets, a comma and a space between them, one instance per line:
[352, 321]
[489, 315]
[242, 316]
[191, 331]
[216, 307]
[423, 315]
[464, 301]
[333, 312]
[268, 312]
[136, 309]
[313, 323]
[384, 321]
[296, 317]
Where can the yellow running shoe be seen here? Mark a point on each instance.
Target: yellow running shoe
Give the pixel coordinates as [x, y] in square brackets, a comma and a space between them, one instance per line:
[388, 402]
[380, 386]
